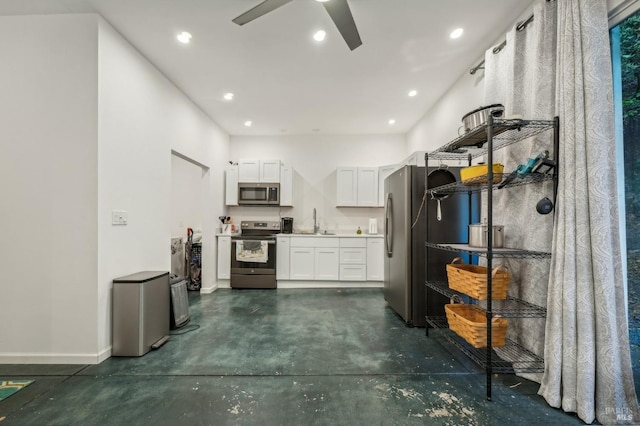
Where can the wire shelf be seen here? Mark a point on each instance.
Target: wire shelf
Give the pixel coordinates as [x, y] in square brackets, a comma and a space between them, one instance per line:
[509, 308]
[505, 132]
[479, 184]
[525, 360]
[511, 253]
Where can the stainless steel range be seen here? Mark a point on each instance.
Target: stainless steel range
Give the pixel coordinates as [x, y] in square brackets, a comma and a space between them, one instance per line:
[253, 255]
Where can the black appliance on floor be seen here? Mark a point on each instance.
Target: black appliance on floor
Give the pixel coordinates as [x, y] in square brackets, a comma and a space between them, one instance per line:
[253, 255]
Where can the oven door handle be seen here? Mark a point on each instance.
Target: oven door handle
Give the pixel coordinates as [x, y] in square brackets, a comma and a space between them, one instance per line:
[268, 241]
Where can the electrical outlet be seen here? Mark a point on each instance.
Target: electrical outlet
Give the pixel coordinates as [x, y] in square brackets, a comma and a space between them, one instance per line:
[119, 217]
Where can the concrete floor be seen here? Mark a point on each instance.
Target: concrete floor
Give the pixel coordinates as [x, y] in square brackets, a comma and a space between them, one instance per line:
[281, 357]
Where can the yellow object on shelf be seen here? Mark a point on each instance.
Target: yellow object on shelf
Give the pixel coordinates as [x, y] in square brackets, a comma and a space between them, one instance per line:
[477, 175]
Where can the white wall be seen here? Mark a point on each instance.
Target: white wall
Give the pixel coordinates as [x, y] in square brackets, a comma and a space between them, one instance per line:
[87, 126]
[314, 159]
[143, 117]
[48, 187]
[440, 124]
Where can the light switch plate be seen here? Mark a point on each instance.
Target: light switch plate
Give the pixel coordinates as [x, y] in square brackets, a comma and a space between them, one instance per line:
[119, 217]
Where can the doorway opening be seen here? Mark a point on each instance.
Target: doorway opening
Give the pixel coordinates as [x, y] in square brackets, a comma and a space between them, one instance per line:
[189, 186]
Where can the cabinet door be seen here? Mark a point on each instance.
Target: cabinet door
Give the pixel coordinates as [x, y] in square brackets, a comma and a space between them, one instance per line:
[327, 264]
[282, 258]
[224, 258]
[248, 171]
[286, 186]
[347, 186]
[367, 186]
[375, 259]
[353, 272]
[231, 186]
[353, 256]
[301, 263]
[270, 171]
[383, 172]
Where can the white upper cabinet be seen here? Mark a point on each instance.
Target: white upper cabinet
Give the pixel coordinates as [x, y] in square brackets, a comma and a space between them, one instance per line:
[270, 171]
[347, 189]
[357, 187]
[248, 171]
[368, 186]
[231, 186]
[253, 171]
[286, 186]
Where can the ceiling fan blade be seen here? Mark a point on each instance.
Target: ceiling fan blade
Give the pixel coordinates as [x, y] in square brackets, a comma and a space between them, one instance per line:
[341, 15]
[262, 9]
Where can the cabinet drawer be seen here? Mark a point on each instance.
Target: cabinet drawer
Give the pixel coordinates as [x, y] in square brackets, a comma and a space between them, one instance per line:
[353, 256]
[314, 242]
[353, 273]
[353, 242]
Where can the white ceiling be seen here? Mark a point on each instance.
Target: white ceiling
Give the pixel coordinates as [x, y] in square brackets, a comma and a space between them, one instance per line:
[286, 83]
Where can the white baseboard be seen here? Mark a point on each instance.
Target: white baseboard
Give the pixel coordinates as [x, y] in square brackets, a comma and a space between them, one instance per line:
[329, 284]
[208, 290]
[13, 358]
[224, 284]
[104, 354]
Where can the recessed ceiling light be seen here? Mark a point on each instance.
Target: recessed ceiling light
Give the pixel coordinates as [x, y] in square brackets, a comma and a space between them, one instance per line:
[392, 122]
[228, 96]
[413, 93]
[456, 33]
[184, 37]
[319, 35]
[248, 123]
[322, 1]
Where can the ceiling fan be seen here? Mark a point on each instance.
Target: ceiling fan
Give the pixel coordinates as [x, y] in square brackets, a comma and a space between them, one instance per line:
[338, 11]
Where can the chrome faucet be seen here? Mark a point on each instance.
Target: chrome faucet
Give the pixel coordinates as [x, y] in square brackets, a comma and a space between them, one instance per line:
[316, 228]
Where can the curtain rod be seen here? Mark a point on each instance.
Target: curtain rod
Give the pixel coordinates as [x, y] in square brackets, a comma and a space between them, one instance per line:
[520, 27]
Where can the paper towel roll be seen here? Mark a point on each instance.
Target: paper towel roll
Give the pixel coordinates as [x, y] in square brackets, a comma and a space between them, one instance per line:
[373, 225]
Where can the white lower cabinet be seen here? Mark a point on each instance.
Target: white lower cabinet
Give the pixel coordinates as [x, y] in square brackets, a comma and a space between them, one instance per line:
[224, 258]
[302, 260]
[283, 252]
[326, 264]
[330, 259]
[353, 259]
[375, 259]
[353, 272]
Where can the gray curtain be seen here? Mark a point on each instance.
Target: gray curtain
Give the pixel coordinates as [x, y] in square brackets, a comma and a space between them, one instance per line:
[587, 360]
[522, 78]
[560, 65]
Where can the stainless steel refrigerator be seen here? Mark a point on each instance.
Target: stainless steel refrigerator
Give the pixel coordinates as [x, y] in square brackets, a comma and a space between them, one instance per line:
[404, 268]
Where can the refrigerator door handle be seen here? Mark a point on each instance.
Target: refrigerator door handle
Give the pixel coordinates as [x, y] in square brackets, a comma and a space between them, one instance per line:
[388, 228]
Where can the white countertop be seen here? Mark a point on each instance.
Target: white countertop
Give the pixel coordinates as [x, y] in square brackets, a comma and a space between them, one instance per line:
[341, 235]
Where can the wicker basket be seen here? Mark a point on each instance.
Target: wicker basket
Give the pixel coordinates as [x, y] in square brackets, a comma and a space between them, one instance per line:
[472, 280]
[470, 323]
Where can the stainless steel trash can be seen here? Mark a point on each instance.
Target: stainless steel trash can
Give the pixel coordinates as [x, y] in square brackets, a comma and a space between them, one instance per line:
[140, 314]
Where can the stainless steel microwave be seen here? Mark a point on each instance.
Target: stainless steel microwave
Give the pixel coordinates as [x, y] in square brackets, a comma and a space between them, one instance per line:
[259, 194]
